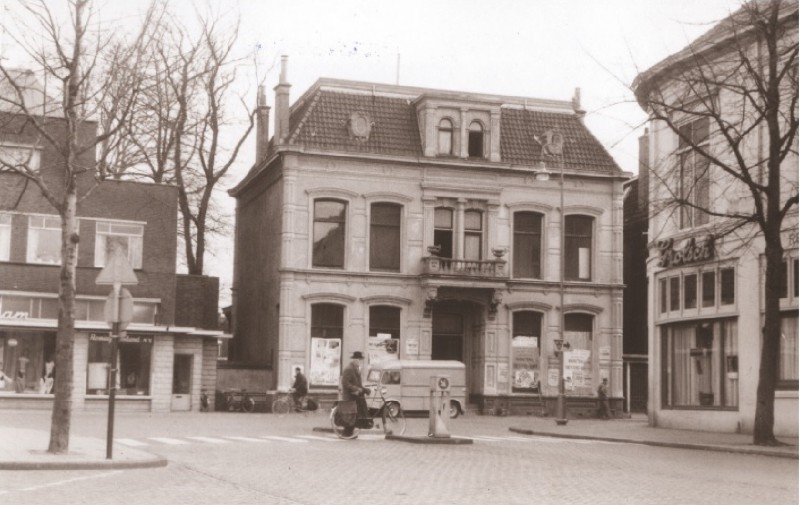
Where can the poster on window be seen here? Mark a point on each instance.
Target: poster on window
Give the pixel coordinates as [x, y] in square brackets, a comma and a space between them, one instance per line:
[382, 347]
[525, 362]
[326, 359]
[577, 366]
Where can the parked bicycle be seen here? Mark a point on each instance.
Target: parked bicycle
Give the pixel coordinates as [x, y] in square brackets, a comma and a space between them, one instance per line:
[205, 401]
[346, 424]
[285, 404]
[237, 400]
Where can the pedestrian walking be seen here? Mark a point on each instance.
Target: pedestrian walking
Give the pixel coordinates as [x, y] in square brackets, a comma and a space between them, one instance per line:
[603, 411]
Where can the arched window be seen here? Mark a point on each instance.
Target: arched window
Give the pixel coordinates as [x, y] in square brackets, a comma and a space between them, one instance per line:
[329, 233]
[525, 346]
[327, 330]
[384, 236]
[384, 327]
[578, 247]
[578, 333]
[527, 245]
[475, 140]
[445, 137]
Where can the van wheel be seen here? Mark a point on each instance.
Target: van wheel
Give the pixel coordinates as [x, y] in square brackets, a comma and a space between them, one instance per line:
[455, 410]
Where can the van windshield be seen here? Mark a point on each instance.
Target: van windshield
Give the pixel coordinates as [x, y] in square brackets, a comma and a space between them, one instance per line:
[374, 376]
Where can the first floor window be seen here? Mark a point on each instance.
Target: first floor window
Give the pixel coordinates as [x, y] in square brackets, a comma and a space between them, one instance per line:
[5, 237]
[126, 237]
[445, 137]
[443, 231]
[473, 235]
[578, 247]
[528, 245]
[384, 236]
[527, 334]
[27, 362]
[788, 363]
[384, 333]
[327, 331]
[700, 364]
[44, 240]
[329, 233]
[134, 355]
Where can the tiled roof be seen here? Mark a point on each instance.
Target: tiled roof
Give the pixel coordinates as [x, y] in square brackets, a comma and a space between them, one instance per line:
[320, 120]
[582, 151]
[325, 124]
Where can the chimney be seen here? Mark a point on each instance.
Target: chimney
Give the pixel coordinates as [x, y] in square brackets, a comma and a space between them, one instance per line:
[282, 105]
[576, 104]
[262, 125]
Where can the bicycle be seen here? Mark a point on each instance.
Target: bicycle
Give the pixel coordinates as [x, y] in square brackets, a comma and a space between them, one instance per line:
[285, 404]
[391, 413]
[239, 400]
[205, 401]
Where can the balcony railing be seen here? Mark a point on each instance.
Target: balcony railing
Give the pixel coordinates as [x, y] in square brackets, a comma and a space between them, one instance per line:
[490, 269]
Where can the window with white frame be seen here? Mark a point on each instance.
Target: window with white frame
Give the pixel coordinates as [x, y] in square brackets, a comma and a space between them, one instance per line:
[473, 235]
[330, 218]
[44, 240]
[5, 236]
[126, 236]
[445, 137]
[788, 360]
[18, 156]
[443, 231]
[528, 245]
[578, 247]
[693, 180]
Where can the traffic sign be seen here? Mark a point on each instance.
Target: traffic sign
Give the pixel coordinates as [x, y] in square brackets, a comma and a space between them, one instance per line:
[117, 270]
[124, 314]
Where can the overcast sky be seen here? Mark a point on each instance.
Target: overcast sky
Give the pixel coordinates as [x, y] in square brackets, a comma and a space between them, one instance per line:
[533, 48]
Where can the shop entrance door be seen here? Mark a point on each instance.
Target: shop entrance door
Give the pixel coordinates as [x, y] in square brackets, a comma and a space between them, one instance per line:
[448, 336]
[182, 382]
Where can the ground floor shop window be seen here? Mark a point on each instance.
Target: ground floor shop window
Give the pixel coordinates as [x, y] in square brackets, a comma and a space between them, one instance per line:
[700, 364]
[788, 363]
[27, 362]
[578, 359]
[527, 331]
[134, 355]
[384, 333]
[327, 330]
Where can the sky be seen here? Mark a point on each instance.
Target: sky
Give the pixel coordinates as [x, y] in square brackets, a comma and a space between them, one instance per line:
[527, 48]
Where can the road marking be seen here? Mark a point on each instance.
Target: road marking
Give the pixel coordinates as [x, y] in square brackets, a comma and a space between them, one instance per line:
[324, 439]
[370, 437]
[248, 439]
[519, 439]
[130, 442]
[486, 438]
[169, 441]
[68, 481]
[210, 440]
[285, 439]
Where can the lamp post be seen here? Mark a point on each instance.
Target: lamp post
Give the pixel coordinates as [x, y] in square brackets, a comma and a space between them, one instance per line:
[118, 313]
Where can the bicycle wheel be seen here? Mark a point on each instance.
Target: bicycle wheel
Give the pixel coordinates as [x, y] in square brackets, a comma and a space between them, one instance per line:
[281, 406]
[394, 420]
[248, 404]
[341, 431]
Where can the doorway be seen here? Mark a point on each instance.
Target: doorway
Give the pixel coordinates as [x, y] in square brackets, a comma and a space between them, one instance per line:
[182, 382]
[448, 336]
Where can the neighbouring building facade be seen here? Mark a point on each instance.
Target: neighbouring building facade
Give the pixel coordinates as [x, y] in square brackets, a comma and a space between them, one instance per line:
[426, 224]
[169, 353]
[706, 287]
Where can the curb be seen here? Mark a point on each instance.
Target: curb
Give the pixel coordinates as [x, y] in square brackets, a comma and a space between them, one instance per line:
[674, 445]
[157, 462]
[430, 440]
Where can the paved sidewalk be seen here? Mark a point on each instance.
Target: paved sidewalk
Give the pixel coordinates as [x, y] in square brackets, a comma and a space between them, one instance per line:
[26, 449]
[637, 431]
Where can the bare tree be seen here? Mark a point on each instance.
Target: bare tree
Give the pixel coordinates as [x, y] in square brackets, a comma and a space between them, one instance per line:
[183, 127]
[731, 99]
[93, 72]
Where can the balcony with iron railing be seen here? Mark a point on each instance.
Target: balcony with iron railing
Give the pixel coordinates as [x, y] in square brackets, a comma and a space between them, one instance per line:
[485, 269]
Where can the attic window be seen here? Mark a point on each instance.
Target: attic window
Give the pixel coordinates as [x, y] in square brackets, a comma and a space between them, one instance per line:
[445, 137]
[475, 140]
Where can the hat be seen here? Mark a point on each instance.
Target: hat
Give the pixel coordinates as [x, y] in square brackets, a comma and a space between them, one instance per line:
[357, 355]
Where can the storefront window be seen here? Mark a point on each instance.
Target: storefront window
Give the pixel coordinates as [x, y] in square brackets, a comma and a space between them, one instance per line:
[709, 289]
[578, 360]
[788, 364]
[690, 291]
[700, 366]
[662, 284]
[675, 293]
[134, 353]
[27, 362]
[327, 330]
[527, 331]
[727, 286]
[384, 333]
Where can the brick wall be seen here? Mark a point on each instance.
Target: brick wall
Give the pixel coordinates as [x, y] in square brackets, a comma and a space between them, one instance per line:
[208, 380]
[197, 301]
[161, 374]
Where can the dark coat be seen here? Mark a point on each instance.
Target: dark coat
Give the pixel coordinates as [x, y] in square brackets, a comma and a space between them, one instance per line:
[300, 385]
[351, 383]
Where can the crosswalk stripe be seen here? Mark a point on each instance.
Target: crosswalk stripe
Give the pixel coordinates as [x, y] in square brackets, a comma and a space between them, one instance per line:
[248, 439]
[169, 441]
[324, 439]
[285, 439]
[129, 442]
[210, 440]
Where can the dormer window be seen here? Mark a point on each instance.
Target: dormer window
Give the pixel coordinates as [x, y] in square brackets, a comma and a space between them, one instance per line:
[445, 137]
[475, 140]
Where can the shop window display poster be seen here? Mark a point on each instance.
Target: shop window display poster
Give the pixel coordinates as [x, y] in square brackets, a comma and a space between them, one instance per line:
[326, 359]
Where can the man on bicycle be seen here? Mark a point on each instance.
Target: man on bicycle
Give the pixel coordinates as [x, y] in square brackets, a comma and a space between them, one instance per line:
[299, 388]
[352, 389]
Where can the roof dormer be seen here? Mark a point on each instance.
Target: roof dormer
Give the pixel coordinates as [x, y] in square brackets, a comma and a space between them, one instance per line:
[456, 127]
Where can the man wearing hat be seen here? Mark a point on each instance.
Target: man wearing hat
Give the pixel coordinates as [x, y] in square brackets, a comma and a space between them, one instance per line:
[352, 389]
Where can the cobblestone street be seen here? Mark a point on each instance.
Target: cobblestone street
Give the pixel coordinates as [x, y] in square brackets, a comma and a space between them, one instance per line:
[267, 459]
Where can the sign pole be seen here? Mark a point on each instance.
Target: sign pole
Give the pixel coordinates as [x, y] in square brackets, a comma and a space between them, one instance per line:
[112, 372]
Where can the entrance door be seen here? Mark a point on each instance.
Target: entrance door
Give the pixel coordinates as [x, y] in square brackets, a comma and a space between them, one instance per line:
[182, 382]
[448, 336]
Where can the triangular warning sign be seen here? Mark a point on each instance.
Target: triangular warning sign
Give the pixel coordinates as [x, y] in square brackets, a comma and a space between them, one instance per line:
[117, 270]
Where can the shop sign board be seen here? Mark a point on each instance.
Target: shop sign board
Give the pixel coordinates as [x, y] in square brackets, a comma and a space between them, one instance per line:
[14, 314]
[124, 339]
[691, 252]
